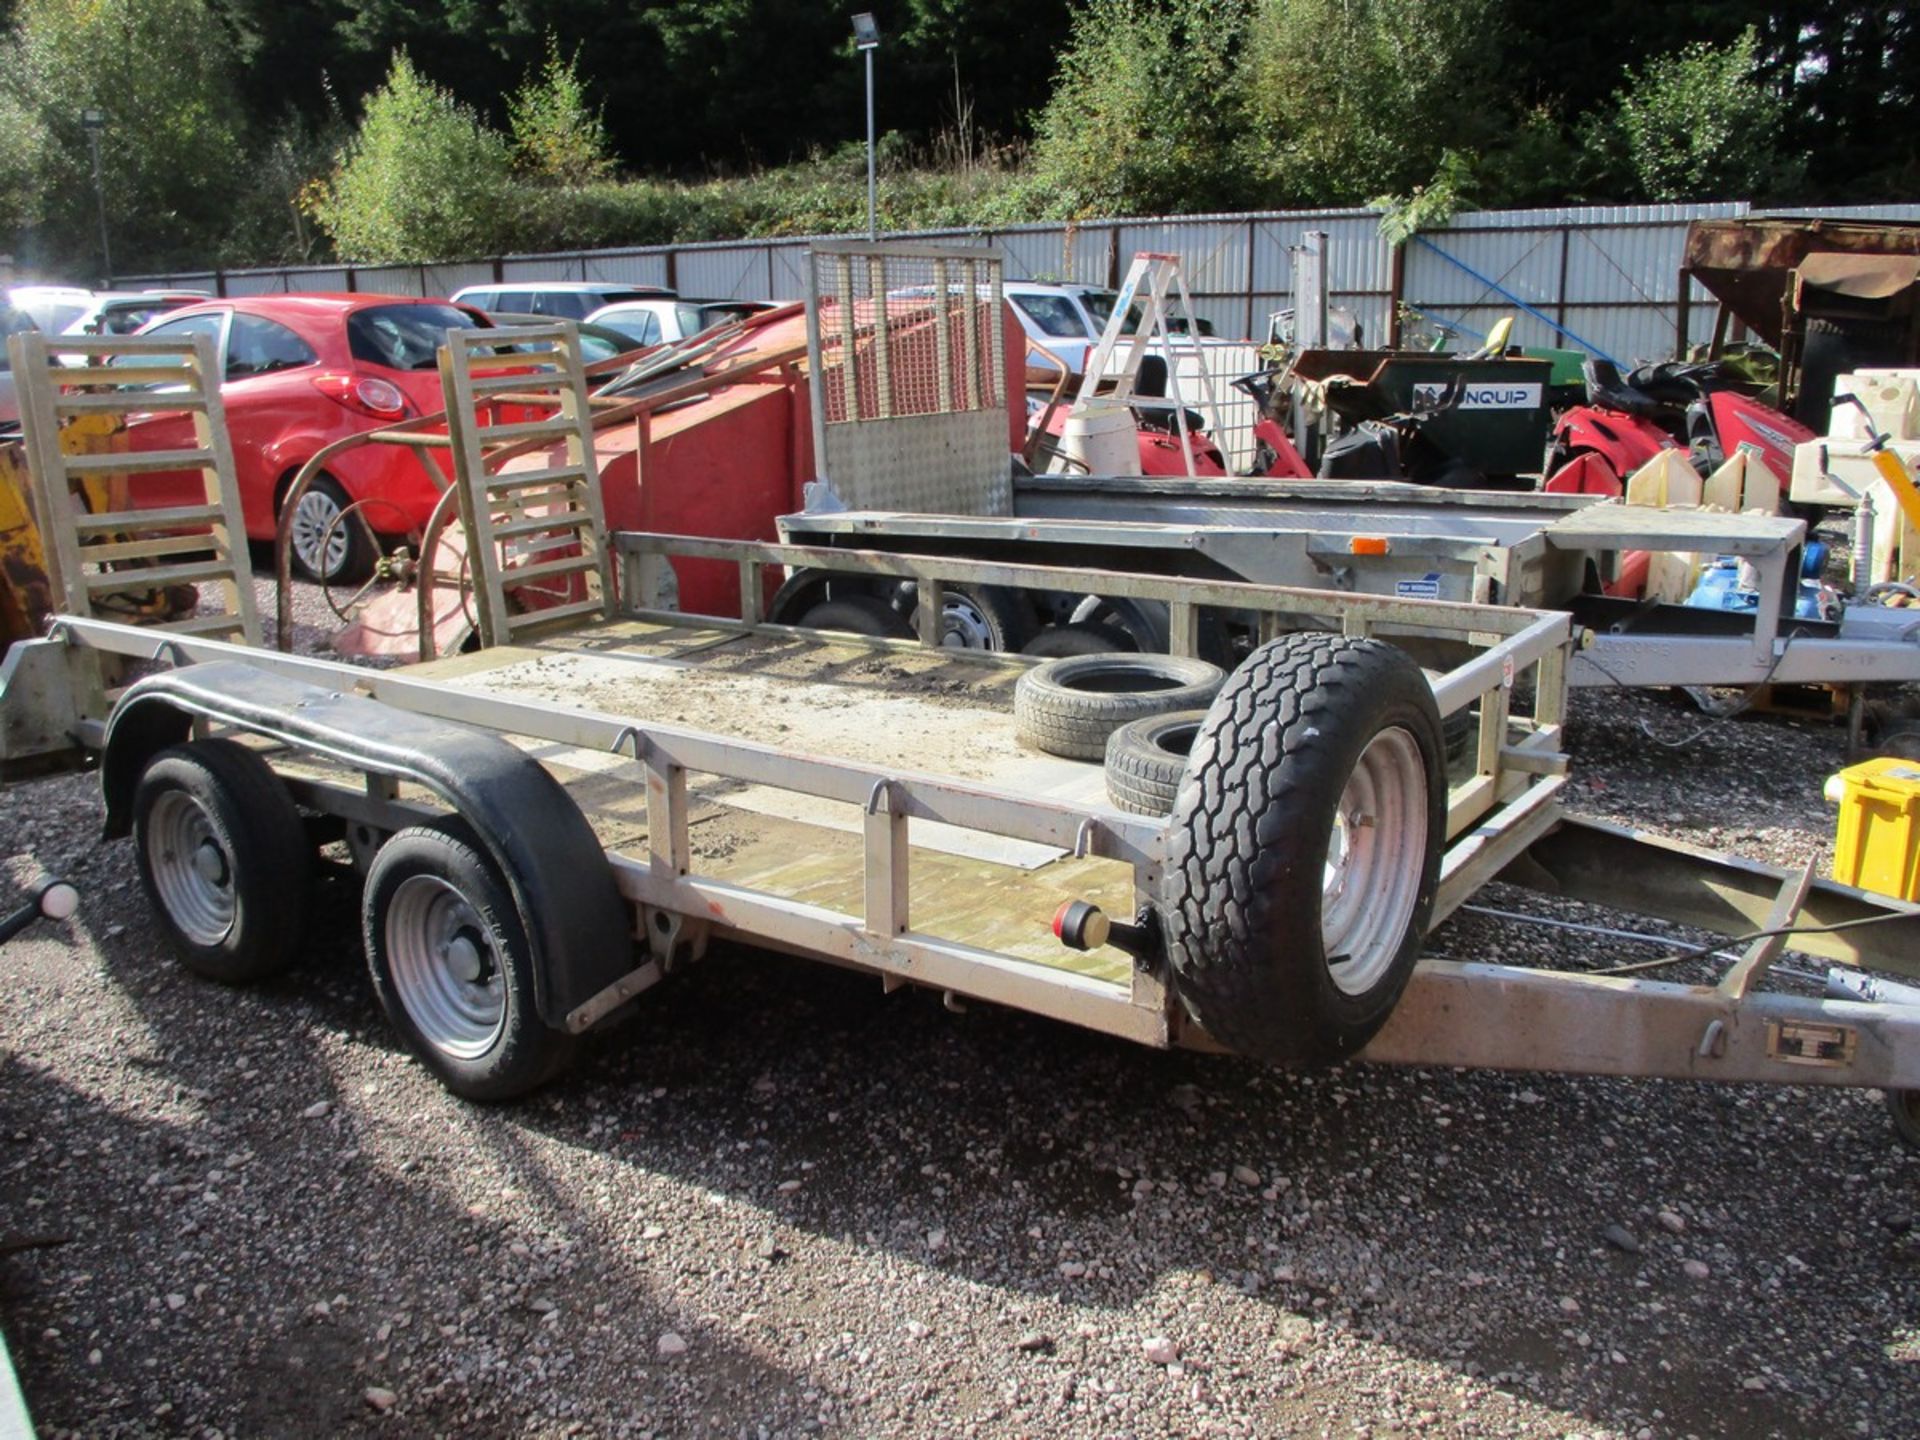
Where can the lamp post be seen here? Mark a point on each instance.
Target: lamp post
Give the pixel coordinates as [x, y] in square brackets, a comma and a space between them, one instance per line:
[866, 39]
[94, 121]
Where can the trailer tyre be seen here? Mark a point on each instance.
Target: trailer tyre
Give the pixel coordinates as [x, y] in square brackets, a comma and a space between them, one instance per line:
[859, 615]
[1305, 848]
[985, 617]
[223, 856]
[1147, 759]
[452, 967]
[1080, 637]
[1071, 705]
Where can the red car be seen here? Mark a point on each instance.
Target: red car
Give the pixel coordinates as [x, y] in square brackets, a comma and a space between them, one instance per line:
[301, 372]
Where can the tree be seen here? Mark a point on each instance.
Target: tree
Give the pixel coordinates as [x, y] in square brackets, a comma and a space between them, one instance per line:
[1349, 98]
[171, 153]
[1144, 118]
[1699, 125]
[557, 137]
[423, 178]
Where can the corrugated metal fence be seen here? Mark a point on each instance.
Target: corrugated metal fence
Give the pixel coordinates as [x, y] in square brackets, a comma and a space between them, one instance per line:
[1603, 279]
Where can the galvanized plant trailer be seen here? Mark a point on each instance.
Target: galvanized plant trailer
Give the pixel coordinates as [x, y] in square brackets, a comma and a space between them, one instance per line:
[550, 827]
[895, 475]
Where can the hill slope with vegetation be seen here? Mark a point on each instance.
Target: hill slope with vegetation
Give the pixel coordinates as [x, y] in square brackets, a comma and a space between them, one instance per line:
[262, 131]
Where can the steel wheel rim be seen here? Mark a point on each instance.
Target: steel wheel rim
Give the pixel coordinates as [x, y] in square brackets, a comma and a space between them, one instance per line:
[963, 625]
[1376, 860]
[192, 871]
[320, 533]
[445, 968]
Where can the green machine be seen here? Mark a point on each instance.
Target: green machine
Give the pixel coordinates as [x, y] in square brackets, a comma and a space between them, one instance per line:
[1492, 414]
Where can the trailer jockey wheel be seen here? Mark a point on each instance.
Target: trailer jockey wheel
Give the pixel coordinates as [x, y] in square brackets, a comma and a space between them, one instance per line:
[1305, 848]
[223, 855]
[451, 964]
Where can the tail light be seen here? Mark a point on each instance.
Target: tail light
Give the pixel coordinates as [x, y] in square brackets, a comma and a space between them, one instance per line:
[366, 394]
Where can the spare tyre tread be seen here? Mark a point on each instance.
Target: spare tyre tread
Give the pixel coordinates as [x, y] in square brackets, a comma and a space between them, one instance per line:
[1242, 967]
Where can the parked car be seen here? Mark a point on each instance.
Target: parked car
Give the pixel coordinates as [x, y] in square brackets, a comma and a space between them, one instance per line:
[1068, 319]
[11, 321]
[302, 371]
[51, 307]
[122, 312]
[554, 299]
[661, 322]
[597, 342]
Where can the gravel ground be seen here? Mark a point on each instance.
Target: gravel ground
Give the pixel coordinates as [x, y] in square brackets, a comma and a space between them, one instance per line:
[780, 1203]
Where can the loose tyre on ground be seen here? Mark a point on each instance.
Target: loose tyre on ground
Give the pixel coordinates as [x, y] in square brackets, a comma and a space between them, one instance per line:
[451, 964]
[1147, 759]
[223, 855]
[1305, 848]
[1071, 705]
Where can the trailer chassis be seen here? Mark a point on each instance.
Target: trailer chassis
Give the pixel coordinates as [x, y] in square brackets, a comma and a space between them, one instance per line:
[1505, 822]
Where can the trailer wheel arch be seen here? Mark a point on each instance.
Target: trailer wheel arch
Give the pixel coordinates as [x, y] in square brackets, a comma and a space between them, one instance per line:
[564, 891]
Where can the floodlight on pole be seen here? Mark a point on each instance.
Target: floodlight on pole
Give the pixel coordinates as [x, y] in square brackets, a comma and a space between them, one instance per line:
[93, 122]
[866, 39]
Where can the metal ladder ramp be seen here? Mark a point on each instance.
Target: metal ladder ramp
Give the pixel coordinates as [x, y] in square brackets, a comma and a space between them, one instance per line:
[513, 518]
[1153, 282]
[88, 549]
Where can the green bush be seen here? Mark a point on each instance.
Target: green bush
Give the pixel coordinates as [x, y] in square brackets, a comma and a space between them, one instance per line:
[557, 137]
[1349, 98]
[1698, 125]
[1144, 117]
[423, 178]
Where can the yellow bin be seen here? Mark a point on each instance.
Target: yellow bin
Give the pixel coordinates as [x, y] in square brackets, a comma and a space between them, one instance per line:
[1876, 844]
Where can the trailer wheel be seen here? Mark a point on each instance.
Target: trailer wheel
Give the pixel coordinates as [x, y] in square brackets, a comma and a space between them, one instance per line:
[223, 856]
[1305, 848]
[1147, 758]
[1080, 637]
[985, 617]
[1903, 1108]
[859, 615]
[1071, 705]
[452, 967]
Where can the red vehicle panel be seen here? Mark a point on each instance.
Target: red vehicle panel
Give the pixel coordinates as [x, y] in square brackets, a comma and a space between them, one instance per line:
[303, 371]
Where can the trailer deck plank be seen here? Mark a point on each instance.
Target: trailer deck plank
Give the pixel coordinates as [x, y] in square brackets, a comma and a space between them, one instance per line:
[922, 710]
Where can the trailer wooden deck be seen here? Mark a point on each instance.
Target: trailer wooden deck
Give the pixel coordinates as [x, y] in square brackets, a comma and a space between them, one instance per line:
[942, 713]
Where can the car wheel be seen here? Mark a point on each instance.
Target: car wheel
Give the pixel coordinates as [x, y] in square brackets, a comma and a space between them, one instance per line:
[330, 542]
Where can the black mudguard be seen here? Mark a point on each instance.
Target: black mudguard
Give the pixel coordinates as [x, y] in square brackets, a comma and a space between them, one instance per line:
[571, 908]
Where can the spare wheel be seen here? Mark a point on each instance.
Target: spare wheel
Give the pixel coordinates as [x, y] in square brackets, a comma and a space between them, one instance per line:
[1304, 848]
